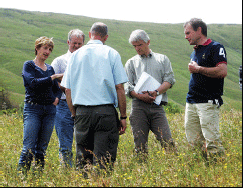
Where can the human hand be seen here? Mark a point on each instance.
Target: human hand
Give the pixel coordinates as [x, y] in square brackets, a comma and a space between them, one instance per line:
[123, 126]
[56, 76]
[148, 96]
[193, 67]
[56, 102]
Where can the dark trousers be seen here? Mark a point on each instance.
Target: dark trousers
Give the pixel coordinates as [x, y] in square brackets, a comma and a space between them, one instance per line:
[96, 134]
[145, 117]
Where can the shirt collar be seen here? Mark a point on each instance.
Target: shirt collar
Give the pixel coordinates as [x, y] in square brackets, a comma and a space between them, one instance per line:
[149, 55]
[205, 44]
[95, 42]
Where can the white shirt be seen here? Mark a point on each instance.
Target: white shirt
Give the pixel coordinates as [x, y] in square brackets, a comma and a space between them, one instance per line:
[59, 65]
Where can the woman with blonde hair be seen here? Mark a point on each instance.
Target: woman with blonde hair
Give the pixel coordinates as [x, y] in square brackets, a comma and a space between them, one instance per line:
[42, 94]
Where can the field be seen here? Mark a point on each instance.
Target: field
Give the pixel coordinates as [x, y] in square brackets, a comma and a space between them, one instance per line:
[19, 29]
[187, 169]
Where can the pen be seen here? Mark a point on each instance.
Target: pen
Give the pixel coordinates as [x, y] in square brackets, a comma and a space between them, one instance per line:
[149, 93]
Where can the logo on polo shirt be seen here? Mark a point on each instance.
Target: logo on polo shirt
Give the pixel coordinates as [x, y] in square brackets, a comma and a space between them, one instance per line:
[203, 56]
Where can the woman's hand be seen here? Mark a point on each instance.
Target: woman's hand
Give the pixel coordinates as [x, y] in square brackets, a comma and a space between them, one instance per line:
[56, 76]
[56, 102]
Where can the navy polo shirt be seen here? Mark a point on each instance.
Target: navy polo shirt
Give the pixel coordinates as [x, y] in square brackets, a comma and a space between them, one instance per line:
[201, 87]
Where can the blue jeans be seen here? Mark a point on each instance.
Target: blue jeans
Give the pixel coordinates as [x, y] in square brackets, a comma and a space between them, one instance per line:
[38, 127]
[64, 128]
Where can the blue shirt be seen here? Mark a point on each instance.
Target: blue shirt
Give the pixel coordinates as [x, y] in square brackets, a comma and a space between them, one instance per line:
[201, 87]
[39, 87]
[92, 73]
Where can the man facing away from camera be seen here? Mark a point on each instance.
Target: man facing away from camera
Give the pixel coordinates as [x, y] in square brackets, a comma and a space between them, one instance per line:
[145, 114]
[63, 121]
[208, 68]
[94, 80]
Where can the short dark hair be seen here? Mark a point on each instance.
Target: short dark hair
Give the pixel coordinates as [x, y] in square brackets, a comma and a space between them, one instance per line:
[100, 29]
[196, 23]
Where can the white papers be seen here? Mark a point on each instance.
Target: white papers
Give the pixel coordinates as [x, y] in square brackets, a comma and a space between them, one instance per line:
[148, 83]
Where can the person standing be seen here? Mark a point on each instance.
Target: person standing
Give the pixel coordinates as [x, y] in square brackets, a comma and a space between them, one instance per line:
[94, 87]
[208, 68]
[42, 94]
[145, 114]
[63, 121]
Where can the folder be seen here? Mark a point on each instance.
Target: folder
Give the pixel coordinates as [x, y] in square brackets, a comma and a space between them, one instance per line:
[148, 83]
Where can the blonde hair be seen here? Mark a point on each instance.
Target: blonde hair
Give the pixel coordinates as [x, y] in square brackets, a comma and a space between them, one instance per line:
[43, 41]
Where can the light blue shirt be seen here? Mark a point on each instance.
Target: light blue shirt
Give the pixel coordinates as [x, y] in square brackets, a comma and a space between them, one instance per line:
[92, 73]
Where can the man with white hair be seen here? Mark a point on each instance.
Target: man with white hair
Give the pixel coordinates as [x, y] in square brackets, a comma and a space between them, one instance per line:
[63, 121]
[145, 114]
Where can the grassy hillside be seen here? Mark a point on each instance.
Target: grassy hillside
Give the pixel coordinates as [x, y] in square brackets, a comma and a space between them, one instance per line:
[20, 29]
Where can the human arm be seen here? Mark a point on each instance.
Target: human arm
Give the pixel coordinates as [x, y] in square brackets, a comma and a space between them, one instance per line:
[57, 76]
[220, 71]
[122, 107]
[57, 91]
[145, 96]
[33, 77]
[164, 76]
[162, 89]
[69, 102]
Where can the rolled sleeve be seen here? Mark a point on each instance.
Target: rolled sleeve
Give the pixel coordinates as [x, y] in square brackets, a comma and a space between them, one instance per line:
[130, 85]
[169, 74]
[128, 88]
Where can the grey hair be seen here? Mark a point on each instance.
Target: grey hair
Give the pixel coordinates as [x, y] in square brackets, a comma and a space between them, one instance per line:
[139, 35]
[76, 32]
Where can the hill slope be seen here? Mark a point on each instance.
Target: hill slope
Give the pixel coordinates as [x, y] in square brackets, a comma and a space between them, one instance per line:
[19, 30]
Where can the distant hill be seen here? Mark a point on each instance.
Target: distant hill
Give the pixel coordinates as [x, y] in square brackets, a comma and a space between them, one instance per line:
[19, 30]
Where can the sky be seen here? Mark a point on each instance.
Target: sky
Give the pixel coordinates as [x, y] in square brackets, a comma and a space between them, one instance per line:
[157, 11]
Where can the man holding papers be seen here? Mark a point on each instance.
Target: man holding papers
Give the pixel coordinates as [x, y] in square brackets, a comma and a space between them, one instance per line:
[150, 76]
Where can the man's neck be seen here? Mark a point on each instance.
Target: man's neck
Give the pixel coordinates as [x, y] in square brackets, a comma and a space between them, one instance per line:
[147, 53]
[202, 41]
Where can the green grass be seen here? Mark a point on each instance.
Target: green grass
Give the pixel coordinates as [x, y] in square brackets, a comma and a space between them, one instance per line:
[19, 30]
[161, 170]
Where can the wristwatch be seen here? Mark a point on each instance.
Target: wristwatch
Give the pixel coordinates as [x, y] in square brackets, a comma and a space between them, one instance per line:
[157, 92]
[123, 117]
